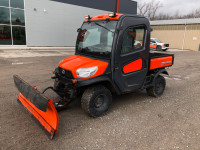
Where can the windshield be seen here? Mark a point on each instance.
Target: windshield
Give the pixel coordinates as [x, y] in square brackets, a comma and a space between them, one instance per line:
[157, 40]
[96, 38]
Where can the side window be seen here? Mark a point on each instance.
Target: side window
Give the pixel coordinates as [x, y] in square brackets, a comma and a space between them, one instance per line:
[152, 41]
[133, 39]
[110, 39]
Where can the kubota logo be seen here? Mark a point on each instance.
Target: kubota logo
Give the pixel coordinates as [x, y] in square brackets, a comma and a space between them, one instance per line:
[63, 71]
[166, 62]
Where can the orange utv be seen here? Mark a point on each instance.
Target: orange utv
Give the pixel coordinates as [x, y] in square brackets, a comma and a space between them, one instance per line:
[112, 56]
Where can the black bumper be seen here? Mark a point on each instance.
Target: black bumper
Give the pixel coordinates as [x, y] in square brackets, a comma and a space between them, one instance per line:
[63, 79]
[76, 83]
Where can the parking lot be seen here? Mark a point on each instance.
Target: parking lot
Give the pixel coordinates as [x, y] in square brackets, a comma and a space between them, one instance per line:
[135, 121]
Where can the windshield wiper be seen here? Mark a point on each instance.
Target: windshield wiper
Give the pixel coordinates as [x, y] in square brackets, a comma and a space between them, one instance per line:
[85, 49]
[103, 27]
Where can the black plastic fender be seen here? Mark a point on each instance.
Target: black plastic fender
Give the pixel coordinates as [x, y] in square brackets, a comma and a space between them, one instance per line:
[162, 71]
[97, 80]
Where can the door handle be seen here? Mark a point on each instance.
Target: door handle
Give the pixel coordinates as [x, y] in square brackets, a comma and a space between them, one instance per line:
[115, 68]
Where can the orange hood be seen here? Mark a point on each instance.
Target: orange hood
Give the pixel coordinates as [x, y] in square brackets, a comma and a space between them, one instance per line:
[75, 62]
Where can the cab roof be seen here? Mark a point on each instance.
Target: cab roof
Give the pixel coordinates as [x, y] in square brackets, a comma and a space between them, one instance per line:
[105, 16]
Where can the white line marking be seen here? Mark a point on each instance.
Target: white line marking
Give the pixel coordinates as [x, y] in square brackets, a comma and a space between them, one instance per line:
[18, 63]
[21, 63]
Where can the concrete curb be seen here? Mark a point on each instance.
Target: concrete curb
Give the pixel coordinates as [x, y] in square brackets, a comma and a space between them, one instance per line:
[37, 48]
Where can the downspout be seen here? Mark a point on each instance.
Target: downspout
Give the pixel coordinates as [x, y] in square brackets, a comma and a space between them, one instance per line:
[184, 35]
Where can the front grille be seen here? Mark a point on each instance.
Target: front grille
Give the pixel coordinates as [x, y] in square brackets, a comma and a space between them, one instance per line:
[166, 45]
[65, 73]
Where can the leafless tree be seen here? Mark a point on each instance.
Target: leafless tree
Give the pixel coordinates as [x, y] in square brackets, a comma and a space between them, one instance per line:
[149, 9]
[177, 15]
[143, 8]
[194, 14]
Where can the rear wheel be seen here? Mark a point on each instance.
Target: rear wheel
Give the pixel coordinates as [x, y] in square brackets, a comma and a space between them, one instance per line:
[158, 88]
[96, 100]
[159, 48]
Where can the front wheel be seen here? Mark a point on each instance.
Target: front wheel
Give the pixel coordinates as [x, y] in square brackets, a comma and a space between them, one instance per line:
[158, 88]
[165, 49]
[96, 100]
[159, 48]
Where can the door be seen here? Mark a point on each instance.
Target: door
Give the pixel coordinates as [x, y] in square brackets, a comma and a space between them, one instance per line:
[132, 60]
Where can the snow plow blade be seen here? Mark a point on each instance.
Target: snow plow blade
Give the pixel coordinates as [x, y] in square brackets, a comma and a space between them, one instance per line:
[38, 105]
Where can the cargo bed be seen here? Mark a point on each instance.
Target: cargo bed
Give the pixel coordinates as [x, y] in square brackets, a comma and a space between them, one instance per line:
[160, 60]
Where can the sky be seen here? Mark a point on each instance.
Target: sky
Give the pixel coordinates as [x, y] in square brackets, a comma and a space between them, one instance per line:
[172, 6]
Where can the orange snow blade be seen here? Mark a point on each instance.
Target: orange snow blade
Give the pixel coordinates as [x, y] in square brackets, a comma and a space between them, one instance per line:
[38, 105]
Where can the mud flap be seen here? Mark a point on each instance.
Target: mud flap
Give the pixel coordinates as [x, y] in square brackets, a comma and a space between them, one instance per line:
[38, 105]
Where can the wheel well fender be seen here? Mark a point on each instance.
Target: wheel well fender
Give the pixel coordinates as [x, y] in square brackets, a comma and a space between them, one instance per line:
[158, 46]
[103, 80]
[162, 71]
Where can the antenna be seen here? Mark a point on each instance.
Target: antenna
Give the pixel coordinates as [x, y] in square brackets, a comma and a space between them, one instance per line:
[117, 6]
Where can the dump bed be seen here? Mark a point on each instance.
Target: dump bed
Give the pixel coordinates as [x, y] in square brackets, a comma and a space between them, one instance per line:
[160, 60]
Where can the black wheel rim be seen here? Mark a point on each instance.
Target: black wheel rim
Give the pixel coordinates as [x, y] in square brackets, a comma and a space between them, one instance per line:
[159, 48]
[159, 87]
[99, 100]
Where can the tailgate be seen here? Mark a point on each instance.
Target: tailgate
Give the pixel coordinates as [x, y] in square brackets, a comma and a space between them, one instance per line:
[160, 60]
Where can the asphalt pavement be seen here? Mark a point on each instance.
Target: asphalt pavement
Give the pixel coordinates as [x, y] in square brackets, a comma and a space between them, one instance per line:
[135, 121]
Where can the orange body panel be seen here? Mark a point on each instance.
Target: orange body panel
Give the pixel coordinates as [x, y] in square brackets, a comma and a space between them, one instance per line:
[141, 42]
[161, 62]
[153, 46]
[75, 62]
[48, 119]
[105, 16]
[133, 66]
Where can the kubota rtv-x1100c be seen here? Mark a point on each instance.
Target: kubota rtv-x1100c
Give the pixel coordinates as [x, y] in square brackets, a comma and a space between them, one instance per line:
[112, 56]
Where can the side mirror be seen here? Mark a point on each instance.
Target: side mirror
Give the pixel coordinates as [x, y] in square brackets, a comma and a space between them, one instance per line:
[83, 34]
[79, 30]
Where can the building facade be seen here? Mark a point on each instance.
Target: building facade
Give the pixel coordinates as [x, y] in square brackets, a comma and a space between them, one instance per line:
[50, 22]
[179, 33]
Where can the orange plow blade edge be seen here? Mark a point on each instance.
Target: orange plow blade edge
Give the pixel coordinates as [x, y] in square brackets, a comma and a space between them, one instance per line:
[38, 105]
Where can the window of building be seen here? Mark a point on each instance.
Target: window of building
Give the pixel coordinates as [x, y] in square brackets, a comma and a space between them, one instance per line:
[133, 39]
[4, 15]
[17, 4]
[19, 35]
[12, 22]
[5, 35]
[17, 17]
[4, 3]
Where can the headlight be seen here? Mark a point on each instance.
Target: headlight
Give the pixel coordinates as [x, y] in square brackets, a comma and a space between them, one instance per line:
[86, 72]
